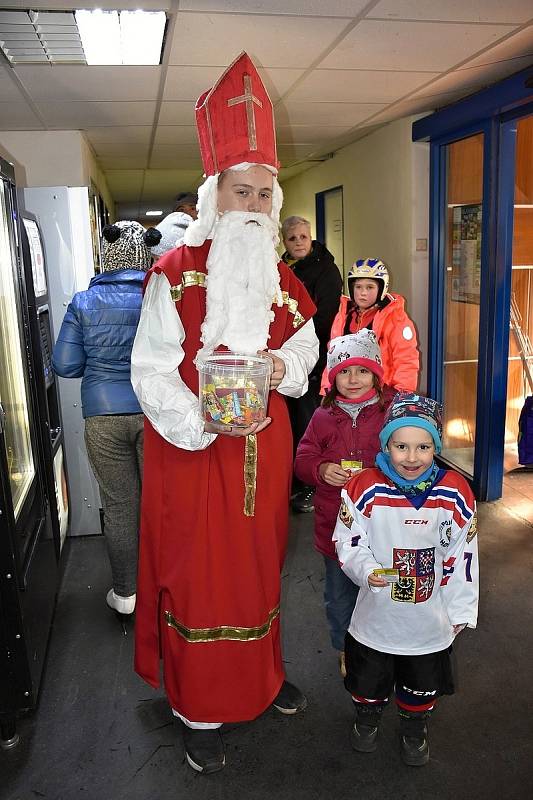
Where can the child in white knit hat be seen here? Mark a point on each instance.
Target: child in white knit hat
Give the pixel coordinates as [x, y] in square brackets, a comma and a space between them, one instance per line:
[342, 438]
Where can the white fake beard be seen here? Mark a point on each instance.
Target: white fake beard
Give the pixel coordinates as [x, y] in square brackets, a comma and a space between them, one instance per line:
[242, 284]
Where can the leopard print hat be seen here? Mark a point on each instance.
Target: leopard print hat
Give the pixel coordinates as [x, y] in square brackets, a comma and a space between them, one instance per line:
[126, 245]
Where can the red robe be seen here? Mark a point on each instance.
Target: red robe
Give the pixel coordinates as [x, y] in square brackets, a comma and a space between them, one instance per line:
[209, 577]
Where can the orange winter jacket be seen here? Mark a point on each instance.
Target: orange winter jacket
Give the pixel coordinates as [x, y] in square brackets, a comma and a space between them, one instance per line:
[396, 336]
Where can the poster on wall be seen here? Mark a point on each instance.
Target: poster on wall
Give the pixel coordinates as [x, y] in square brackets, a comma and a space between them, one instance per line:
[466, 253]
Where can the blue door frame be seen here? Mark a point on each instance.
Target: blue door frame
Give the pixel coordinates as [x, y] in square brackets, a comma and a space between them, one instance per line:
[495, 113]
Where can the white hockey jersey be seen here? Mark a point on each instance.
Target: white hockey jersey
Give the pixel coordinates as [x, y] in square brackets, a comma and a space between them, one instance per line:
[434, 548]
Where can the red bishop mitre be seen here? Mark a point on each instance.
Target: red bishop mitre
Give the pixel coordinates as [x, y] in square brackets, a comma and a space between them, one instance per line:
[235, 120]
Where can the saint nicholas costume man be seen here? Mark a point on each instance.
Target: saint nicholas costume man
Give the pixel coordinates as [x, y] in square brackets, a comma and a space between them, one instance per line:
[214, 519]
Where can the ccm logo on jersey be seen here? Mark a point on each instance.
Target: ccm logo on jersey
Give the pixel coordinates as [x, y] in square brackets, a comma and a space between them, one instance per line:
[416, 522]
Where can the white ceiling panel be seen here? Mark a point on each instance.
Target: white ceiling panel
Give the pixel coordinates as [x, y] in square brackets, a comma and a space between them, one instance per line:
[116, 150]
[316, 8]
[177, 113]
[167, 183]
[125, 184]
[375, 44]
[17, 117]
[520, 44]
[185, 156]
[8, 88]
[511, 11]
[287, 153]
[272, 41]
[308, 134]
[324, 85]
[73, 116]
[188, 83]
[79, 82]
[134, 134]
[279, 81]
[176, 134]
[324, 113]
[470, 80]
[123, 162]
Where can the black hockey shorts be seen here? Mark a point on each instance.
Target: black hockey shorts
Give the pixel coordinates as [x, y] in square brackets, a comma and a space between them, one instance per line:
[372, 675]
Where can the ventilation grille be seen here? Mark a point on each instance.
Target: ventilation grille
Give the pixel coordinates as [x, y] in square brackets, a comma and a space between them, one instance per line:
[40, 37]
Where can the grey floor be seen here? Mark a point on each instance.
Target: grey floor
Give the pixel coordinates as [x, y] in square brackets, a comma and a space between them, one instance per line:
[101, 734]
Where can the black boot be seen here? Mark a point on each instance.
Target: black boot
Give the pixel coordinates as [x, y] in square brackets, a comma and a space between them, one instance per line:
[364, 733]
[414, 738]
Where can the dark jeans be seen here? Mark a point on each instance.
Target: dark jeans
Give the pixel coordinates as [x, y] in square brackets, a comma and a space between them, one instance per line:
[340, 594]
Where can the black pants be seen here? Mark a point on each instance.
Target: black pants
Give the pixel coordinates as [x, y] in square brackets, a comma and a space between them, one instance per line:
[417, 680]
[301, 409]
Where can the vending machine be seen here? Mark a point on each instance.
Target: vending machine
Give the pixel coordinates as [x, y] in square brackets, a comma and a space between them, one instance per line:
[46, 384]
[29, 567]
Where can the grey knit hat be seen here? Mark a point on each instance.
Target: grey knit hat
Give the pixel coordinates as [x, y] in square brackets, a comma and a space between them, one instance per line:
[126, 245]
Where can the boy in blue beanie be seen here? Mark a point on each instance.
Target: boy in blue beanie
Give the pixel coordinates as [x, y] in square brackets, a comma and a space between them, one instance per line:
[406, 535]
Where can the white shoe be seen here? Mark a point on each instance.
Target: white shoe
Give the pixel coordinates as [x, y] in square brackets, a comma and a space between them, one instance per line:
[124, 605]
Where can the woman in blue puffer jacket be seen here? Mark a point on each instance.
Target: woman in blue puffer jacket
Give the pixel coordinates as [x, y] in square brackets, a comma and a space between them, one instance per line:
[94, 344]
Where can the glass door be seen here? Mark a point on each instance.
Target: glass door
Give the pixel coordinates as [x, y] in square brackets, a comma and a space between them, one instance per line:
[520, 365]
[14, 396]
[462, 282]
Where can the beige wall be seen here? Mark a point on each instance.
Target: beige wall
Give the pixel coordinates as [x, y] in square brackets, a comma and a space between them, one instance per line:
[54, 158]
[385, 180]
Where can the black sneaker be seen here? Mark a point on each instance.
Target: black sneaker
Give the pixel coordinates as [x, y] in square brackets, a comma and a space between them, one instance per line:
[289, 699]
[415, 750]
[364, 737]
[364, 734]
[414, 740]
[303, 503]
[204, 749]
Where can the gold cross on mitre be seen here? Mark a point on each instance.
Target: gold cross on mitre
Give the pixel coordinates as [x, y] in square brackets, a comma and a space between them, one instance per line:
[249, 98]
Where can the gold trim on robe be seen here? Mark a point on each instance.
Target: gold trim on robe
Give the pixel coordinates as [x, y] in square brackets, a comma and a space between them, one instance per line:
[228, 633]
[189, 278]
[293, 309]
[250, 474]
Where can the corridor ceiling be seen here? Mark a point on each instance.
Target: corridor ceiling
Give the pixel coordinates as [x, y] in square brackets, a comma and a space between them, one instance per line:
[335, 70]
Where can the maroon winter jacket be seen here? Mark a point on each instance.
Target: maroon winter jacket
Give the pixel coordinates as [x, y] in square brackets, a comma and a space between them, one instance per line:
[331, 436]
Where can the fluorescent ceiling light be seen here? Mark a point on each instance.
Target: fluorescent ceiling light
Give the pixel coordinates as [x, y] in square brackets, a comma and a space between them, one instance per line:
[121, 37]
[153, 213]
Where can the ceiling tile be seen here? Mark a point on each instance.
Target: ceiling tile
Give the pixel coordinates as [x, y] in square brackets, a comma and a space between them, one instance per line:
[520, 44]
[276, 41]
[176, 134]
[168, 182]
[106, 150]
[131, 134]
[468, 81]
[302, 134]
[279, 81]
[72, 116]
[512, 11]
[122, 162]
[188, 83]
[18, 116]
[174, 156]
[124, 184]
[362, 86]
[374, 44]
[8, 88]
[63, 82]
[311, 113]
[176, 113]
[315, 8]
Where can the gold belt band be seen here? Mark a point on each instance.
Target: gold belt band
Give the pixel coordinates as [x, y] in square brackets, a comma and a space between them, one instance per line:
[250, 474]
[223, 632]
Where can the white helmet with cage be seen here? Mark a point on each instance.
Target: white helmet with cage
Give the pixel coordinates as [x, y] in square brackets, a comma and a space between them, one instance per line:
[373, 268]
